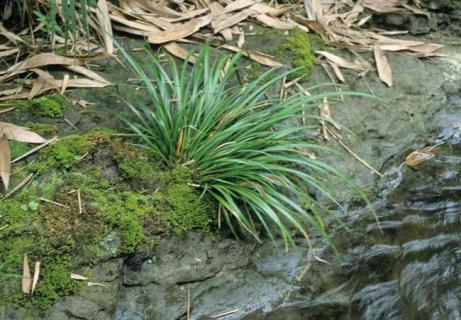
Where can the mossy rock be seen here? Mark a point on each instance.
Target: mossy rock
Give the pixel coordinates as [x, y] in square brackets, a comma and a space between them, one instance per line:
[43, 129]
[51, 106]
[93, 196]
[297, 49]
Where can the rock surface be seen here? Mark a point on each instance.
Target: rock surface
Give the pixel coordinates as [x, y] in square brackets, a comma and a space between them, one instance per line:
[408, 267]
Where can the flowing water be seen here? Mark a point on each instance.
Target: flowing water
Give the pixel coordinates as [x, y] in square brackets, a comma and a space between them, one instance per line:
[409, 265]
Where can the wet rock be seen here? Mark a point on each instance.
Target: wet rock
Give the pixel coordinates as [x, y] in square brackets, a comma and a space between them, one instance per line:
[232, 291]
[195, 258]
[151, 302]
[439, 5]
[95, 302]
[419, 25]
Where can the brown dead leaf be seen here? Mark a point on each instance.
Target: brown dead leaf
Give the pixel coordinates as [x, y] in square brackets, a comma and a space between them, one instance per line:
[36, 275]
[259, 57]
[79, 277]
[419, 156]
[262, 8]
[180, 31]
[65, 83]
[95, 284]
[326, 115]
[342, 62]
[221, 24]
[26, 278]
[12, 91]
[237, 5]
[190, 14]
[10, 35]
[241, 39]
[5, 159]
[102, 15]
[7, 110]
[21, 134]
[337, 71]
[314, 9]
[178, 51]
[7, 53]
[383, 67]
[41, 60]
[88, 73]
[279, 24]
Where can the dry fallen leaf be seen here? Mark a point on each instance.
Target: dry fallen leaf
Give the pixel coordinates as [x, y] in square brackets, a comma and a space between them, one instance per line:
[179, 32]
[36, 275]
[5, 160]
[419, 156]
[241, 39]
[382, 64]
[10, 131]
[21, 134]
[102, 14]
[95, 284]
[221, 24]
[75, 276]
[26, 278]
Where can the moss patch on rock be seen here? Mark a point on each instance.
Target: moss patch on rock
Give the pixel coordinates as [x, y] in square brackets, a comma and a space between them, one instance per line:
[43, 129]
[51, 106]
[93, 196]
[298, 50]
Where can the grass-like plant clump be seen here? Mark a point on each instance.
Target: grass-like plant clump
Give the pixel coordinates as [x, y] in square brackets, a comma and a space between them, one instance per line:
[67, 18]
[247, 151]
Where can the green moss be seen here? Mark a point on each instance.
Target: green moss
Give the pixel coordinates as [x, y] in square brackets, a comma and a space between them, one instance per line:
[51, 106]
[255, 70]
[184, 209]
[18, 148]
[70, 150]
[44, 129]
[118, 216]
[135, 163]
[297, 49]
[124, 212]
[56, 282]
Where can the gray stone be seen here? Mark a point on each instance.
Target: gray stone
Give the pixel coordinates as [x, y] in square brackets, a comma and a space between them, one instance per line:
[418, 25]
[196, 257]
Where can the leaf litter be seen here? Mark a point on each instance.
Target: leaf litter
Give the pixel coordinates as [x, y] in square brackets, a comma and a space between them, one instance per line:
[168, 23]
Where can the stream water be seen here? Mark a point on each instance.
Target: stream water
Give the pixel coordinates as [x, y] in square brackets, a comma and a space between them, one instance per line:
[414, 265]
[409, 265]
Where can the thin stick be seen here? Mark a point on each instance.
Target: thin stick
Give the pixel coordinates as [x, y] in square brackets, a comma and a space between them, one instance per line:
[22, 168]
[282, 90]
[224, 313]
[303, 272]
[7, 110]
[219, 217]
[4, 227]
[352, 153]
[19, 186]
[70, 124]
[28, 153]
[79, 198]
[53, 202]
